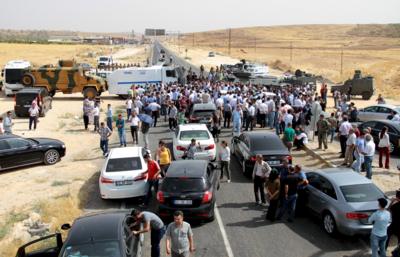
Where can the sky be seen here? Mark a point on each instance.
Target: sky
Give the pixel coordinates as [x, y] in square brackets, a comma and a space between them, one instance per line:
[189, 15]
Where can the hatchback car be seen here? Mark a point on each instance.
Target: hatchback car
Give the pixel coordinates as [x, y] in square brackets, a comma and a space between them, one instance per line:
[185, 133]
[343, 199]
[124, 174]
[102, 234]
[24, 98]
[249, 144]
[377, 112]
[202, 113]
[393, 132]
[189, 186]
[16, 151]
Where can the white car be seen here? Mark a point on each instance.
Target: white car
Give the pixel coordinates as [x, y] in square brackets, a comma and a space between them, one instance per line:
[124, 174]
[183, 136]
[377, 112]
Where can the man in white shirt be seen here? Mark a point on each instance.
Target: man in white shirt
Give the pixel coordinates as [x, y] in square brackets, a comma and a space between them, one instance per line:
[344, 130]
[128, 104]
[263, 109]
[369, 151]
[288, 118]
[251, 114]
[33, 115]
[7, 123]
[225, 157]
[155, 112]
[350, 145]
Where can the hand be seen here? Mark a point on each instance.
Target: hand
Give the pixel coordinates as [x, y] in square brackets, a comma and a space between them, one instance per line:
[135, 233]
[168, 251]
[192, 249]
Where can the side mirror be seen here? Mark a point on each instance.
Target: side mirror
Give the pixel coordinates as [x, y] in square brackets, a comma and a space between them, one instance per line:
[66, 226]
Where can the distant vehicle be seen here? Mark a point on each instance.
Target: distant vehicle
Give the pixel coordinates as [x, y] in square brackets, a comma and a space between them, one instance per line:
[393, 132]
[85, 66]
[25, 97]
[359, 85]
[16, 151]
[202, 113]
[124, 174]
[344, 200]
[120, 81]
[249, 70]
[105, 233]
[189, 186]
[265, 81]
[377, 112]
[67, 78]
[103, 61]
[185, 133]
[12, 75]
[211, 54]
[246, 146]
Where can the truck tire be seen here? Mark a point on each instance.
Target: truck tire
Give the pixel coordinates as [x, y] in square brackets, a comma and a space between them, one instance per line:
[90, 92]
[28, 80]
[366, 95]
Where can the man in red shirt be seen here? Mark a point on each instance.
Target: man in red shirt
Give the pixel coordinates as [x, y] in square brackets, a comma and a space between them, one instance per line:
[153, 173]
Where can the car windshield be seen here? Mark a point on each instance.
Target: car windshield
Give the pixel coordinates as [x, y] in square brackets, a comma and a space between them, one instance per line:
[103, 59]
[262, 144]
[13, 76]
[361, 193]
[196, 134]
[95, 249]
[124, 164]
[182, 185]
[397, 109]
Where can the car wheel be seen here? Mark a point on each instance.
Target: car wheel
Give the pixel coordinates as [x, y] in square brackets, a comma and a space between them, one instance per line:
[212, 214]
[51, 157]
[329, 223]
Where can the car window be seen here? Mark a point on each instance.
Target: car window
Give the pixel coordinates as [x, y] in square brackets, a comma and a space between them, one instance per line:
[379, 126]
[391, 130]
[327, 188]
[124, 164]
[93, 249]
[369, 124]
[361, 193]
[384, 110]
[314, 180]
[259, 144]
[371, 109]
[196, 134]
[4, 145]
[17, 143]
[182, 185]
[241, 137]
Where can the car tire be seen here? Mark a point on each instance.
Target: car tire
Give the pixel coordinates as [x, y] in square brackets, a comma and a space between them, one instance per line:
[51, 157]
[329, 223]
[212, 217]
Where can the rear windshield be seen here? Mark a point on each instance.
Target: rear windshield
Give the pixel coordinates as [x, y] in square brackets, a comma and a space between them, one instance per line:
[103, 59]
[203, 113]
[25, 97]
[124, 164]
[196, 134]
[183, 185]
[260, 144]
[93, 249]
[361, 193]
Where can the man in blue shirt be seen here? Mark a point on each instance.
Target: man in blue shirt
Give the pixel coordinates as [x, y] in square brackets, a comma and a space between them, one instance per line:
[120, 123]
[380, 220]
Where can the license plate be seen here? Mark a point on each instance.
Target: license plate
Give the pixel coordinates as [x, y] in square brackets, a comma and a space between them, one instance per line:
[183, 202]
[124, 183]
[274, 162]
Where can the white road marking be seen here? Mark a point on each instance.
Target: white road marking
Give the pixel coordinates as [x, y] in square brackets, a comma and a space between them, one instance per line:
[223, 232]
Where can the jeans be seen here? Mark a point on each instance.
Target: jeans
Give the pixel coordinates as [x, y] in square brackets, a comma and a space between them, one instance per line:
[259, 188]
[343, 139]
[263, 120]
[250, 122]
[150, 184]
[378, 244]
[134, 133]
[225, 168]
[154, 115]
[128, 113]
[146, 140]
[289, 205]
[271, 119]
[277, 128]
[32, 120]
[322, 140]
[172, 123]
[237, 126]
[359, 160]
[155, 239]
[104, 146]
[332, 133]
[122, 137]
[86, 121]
[110, 123]
[227, 119]
[368, 165]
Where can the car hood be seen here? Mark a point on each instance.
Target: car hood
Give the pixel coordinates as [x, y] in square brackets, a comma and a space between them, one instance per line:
[48, 141]
[272, 152]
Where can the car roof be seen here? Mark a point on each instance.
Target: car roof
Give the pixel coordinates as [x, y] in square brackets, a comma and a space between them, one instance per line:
[187, 168]
[192, 126]
[133, 151]
[87, 229]
[30, 90]
[8, 136]
[391, 106]
[206, 106]
[343, 176]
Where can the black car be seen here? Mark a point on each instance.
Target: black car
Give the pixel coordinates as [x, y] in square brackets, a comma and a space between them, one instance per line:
[202, 113]
[246, 146]
[393, 132]
[16, 151]
[189, 186]
[103, 234]
[24, 98]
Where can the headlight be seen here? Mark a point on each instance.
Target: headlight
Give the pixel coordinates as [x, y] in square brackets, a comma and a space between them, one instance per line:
[63, 146]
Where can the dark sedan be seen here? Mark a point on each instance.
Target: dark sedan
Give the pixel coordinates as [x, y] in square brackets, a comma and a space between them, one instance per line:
[112, 238]
[16, 151]
[249, 144]
[189, 186]
[393, 132]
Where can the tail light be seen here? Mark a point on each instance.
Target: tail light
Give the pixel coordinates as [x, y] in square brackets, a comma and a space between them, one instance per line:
[142, 176]
[253, 158]
[104, 180]
[356, 216]
[180, 148]
[210, 147]
[160, 197]
[207, 197]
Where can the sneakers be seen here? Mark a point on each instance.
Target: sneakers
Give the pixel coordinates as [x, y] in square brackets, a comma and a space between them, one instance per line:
[229, 181]
[263, 204]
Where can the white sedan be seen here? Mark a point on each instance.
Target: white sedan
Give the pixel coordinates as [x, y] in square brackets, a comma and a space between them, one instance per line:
[124, 174]
[183, 136]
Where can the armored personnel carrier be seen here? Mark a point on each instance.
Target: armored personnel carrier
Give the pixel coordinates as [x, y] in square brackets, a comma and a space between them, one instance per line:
[358, 85]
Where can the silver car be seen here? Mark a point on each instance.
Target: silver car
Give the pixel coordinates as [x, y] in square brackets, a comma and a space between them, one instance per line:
[377, 112]
[343, 199]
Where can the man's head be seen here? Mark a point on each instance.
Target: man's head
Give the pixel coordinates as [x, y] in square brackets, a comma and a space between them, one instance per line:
[9, 113]
[289, 125]
[297, 168]
[147, 157]
[108, 106]
[398, 194]
[193, 141]
[382, 202]
[120, 116]
[135, 213]
[368, 138]
[102, 124]
[321, 116]
[224, 143]
[178, 217]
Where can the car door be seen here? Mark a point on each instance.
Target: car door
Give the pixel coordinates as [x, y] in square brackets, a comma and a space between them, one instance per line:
[23, 152]
[369, 113]
[52, 243]
[6, 154]
[313, 191]
[383, 113]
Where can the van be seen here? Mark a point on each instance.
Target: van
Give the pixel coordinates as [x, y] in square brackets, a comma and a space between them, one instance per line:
[24, 98]
[12, 75]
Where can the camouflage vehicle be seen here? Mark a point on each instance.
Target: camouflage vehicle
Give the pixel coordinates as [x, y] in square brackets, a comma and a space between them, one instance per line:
[358, 85]
[67, 77]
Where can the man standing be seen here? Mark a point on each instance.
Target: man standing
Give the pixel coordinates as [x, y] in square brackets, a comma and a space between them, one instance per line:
[128, 104]
[261, 172]
[288, 136]
[179, 237]
[358, 151]
[105, 133]
[322, 131]
[33, 115]
[109, 116]
[394, 228]
[154, 171]
[344, 130]
[7, 123]
[225, 157]
[251, 114]
[151, 222]
[86, 112]
[120, 123]
[271, 112]
[350, 145]
[96, 116]
[291, 184]
[172, 117]
[155, 112]
[237, 120]
[380, 220]
[369, 151]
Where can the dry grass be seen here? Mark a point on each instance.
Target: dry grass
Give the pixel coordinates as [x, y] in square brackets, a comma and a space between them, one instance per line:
[315, 48]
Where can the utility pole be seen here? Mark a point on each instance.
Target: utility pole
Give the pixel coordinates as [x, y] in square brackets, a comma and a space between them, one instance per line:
[291, 51]
[341, 64]
[193, 39]
[255, 45]
[229, 40]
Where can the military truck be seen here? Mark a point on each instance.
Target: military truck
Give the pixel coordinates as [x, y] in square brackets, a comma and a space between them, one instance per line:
[358, 85]
[68, 77]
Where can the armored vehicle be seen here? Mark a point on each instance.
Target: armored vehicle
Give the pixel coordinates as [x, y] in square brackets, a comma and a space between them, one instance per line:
[359, 85]
[67, 77]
